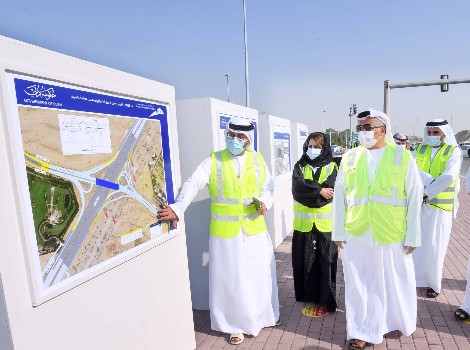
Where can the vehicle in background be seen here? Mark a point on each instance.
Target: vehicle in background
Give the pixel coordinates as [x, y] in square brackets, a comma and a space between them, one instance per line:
[465, 147]
[335, 149]
[337, 153]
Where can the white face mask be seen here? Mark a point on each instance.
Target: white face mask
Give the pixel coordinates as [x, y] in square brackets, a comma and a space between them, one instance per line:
[313, 153]
[366, 138]
[433, 140]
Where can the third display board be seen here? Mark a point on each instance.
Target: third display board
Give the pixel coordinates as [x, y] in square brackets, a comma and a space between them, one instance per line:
[281, 144]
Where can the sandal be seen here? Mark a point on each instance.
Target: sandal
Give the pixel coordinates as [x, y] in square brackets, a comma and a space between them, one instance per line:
[431, 293]
[354, 344]
[461, 315]
[394, 335]
[236, 338]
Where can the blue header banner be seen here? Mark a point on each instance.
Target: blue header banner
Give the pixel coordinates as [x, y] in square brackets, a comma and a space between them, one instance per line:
[281, 136]
[30, 93]
[45, 95]
[256, 134]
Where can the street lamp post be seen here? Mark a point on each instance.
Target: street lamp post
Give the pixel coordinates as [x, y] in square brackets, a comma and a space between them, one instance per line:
[323, 121]
[228, 89]
[247, 83]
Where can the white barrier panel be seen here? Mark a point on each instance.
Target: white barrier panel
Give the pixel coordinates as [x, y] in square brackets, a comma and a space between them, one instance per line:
[276, 146]
[88, 154]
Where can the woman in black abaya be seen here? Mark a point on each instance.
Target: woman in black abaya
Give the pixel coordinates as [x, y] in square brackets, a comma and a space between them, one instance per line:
[314, 255]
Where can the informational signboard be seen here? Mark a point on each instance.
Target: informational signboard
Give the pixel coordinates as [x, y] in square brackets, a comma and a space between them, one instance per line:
[223, 120]
[93, 168]
[302, 137]
[282, 163]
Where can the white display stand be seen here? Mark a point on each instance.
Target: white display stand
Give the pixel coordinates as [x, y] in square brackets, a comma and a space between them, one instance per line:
[299, 133]
[134, 299]
[276, 148]
[201, 123]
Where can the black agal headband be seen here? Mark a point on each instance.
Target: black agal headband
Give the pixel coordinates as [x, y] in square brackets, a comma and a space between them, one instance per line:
[444, 122]
[241, 127]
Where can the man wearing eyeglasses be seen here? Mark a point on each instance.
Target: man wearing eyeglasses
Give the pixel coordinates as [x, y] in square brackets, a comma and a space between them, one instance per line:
[376, 224]
[439, 160]
[243, 294]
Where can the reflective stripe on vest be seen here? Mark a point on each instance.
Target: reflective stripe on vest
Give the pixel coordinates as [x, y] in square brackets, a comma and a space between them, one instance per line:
[445, 199]
[382, 205]
[228, 195]
[305, 217]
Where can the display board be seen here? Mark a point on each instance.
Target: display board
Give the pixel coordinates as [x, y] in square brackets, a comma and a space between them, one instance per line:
[223, 120]
[278, 135]
[281, 144]
[93, 168]
[302, 134]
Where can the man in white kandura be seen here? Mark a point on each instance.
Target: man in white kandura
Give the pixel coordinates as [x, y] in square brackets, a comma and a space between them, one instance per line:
[376, 209]
[462, 314]
[439, 160]
[243, 295]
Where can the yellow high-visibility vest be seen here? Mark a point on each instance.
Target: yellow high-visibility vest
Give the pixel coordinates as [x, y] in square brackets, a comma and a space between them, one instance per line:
[305, 217]
[445, 199]
[382, 205]
[228, 195]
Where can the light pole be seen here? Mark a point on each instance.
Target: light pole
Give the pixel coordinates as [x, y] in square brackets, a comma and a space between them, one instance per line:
[323, 121]
[247, 83]
[443, 83]
[228, 89]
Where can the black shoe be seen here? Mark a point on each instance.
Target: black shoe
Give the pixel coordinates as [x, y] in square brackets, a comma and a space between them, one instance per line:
[431, 293]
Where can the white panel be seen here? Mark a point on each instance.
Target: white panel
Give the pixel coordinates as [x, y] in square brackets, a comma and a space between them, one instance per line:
[136, 304]
[279, 219]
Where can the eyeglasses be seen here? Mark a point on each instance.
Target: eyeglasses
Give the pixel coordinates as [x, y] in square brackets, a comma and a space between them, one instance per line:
[367, 127]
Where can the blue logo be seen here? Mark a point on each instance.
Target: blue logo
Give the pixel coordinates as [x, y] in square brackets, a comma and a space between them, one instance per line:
[223, 121]
[158, 111]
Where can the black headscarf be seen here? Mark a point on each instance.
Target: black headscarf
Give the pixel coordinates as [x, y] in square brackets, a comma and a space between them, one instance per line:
[307, 192]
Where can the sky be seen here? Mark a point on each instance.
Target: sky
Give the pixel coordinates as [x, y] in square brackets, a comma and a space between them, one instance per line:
[309, 60]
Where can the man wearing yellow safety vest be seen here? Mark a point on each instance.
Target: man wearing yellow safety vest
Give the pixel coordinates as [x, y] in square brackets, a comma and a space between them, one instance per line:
[314, 254]
[243, 295]
[439, 160]
[376, 209]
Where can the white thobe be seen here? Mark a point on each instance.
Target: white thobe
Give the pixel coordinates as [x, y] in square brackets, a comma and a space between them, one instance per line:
[468, 180]
[379, 279]
[466, 300]
[243, 294]
[436, 225]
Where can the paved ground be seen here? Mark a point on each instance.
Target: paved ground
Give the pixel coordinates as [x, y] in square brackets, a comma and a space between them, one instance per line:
[436, 326]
